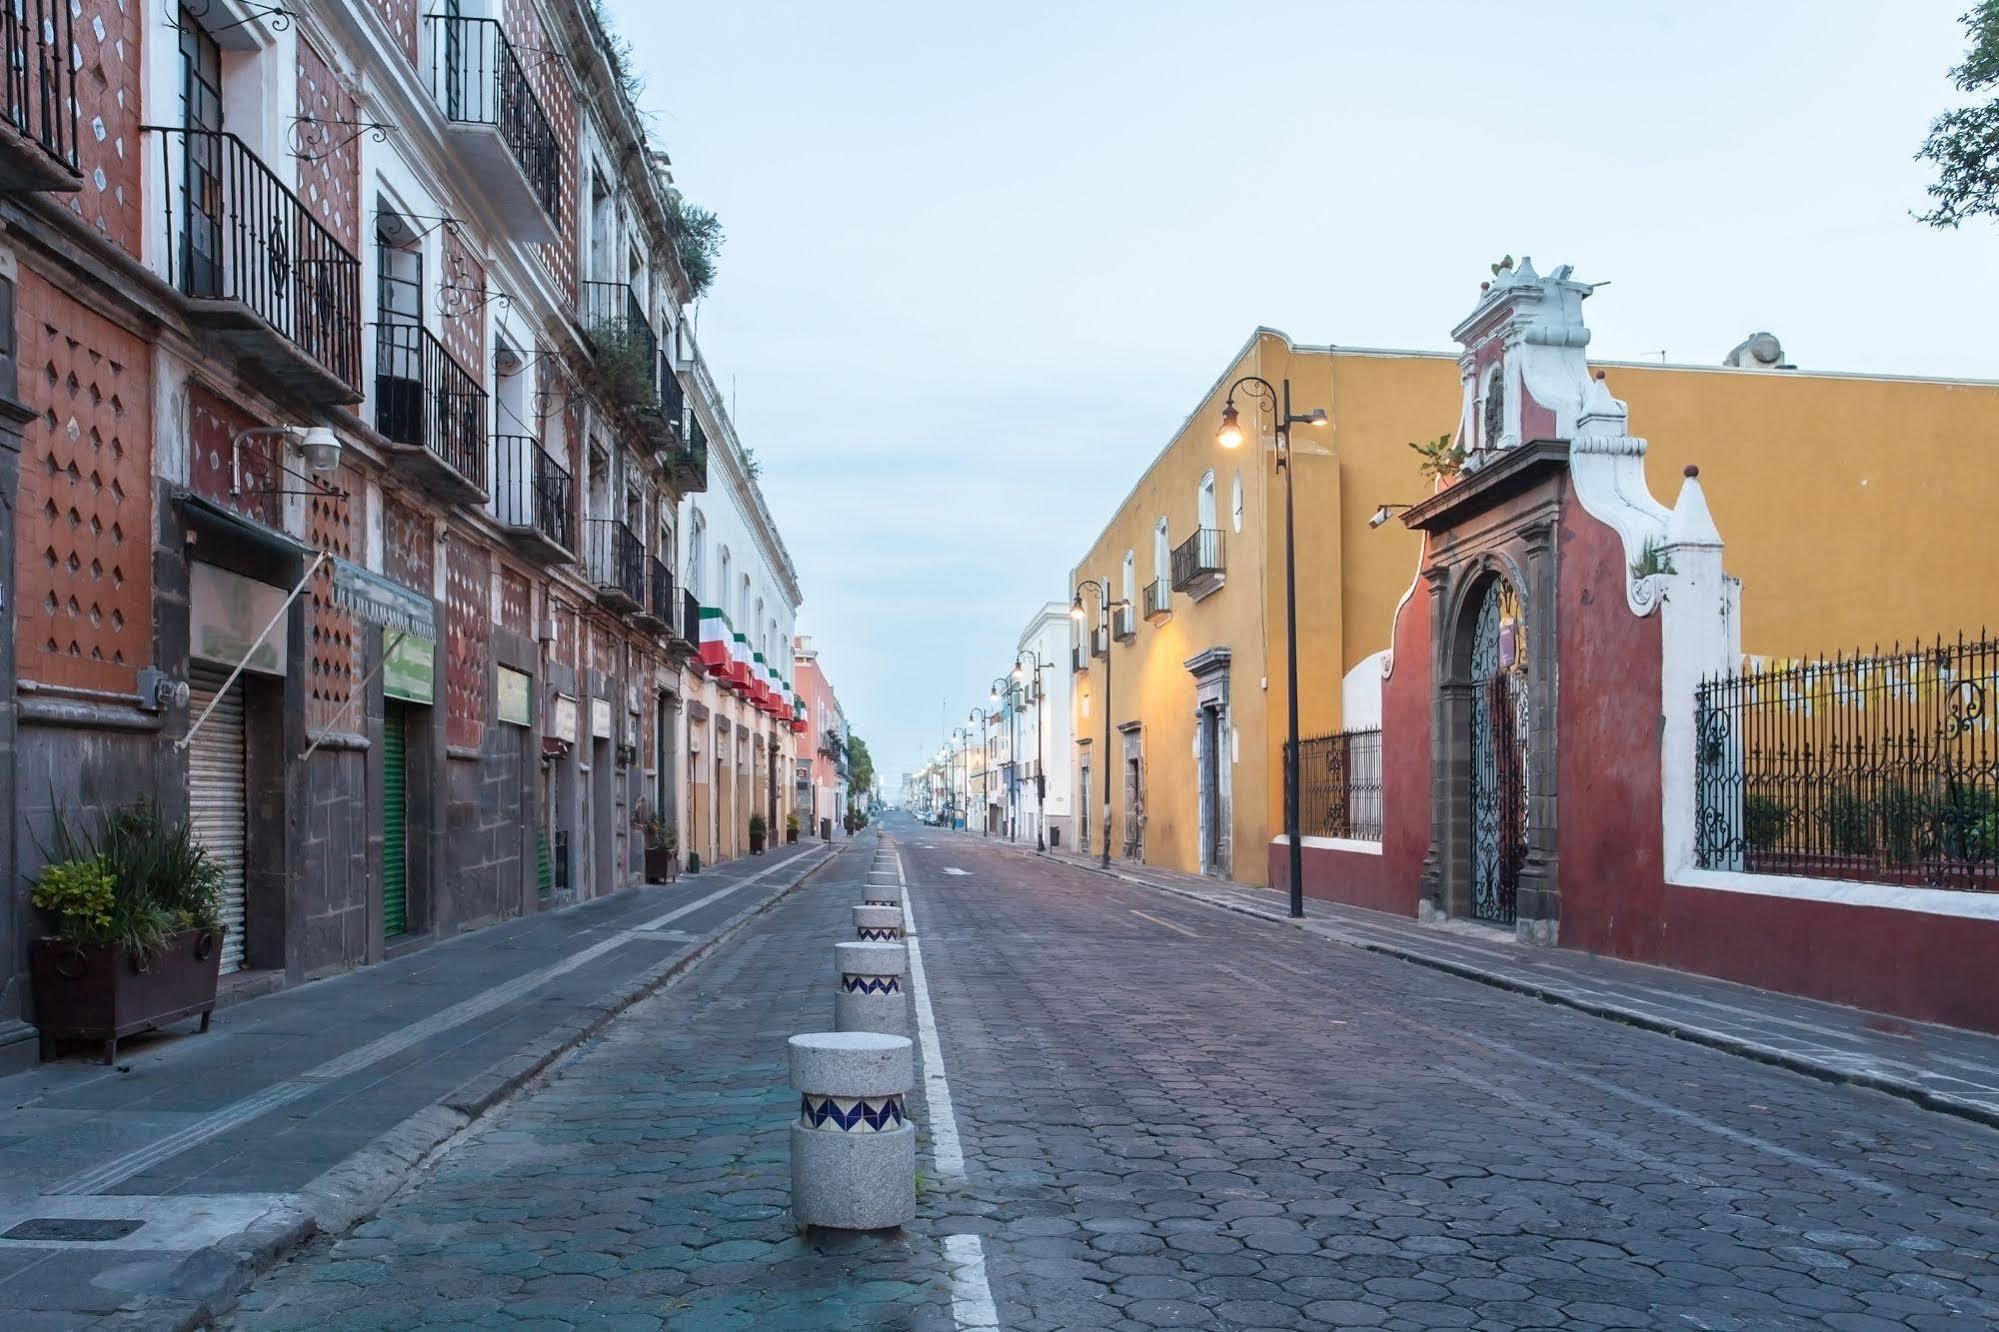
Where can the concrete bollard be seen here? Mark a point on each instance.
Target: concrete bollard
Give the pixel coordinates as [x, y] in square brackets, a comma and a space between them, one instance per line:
[878, 924]
[869, 994]
[853, 1149]
[882, 891]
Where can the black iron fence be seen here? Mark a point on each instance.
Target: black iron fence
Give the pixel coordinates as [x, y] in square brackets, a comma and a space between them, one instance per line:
[1157, 599]
[479, 80]
[240, 234]
[627, 347]
[41, 75]
[690, 618]
[425, 398]
[531, 489]
[1197, 558]
[1339, 785]
[617, 559]
[1882, 768]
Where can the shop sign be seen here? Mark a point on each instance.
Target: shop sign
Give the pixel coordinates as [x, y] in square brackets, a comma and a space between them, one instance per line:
[562, 718]
[516, 692]
[409, 669]
[600, 718]
[227, 612]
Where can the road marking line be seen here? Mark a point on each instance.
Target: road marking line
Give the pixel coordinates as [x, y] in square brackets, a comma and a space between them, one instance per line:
[971, 1297]
[945, 1147]
[118, 1169]
[1167, 923]
[953, 869]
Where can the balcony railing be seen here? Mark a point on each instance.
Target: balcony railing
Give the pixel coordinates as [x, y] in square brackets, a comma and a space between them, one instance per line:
[617, 563]
[690, 619]
[1124, 623]
[531, 492]
[1197, 562]
[41, 97]
[478, 80]
[258, 264]
[627, 348]
[1100, 642]
[1157, 600]
[1077, 664]
[659, 608]
[426, 400]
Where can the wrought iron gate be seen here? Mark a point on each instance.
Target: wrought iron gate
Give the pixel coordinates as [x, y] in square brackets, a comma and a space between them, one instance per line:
[1210, 778]
[1499, 720]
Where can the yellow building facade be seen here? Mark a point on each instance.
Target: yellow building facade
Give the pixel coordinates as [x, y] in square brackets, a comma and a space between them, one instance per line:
[1803, 470]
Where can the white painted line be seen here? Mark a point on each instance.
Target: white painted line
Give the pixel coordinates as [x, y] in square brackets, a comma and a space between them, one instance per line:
[108, 1174]
[971, 1297]
[1167, 923]
[945, 1148]
[953, 869]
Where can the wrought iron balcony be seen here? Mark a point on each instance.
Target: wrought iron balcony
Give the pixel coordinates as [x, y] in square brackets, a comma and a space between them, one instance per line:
[690, 460]
[626, 346]
[617, 564]
[1100, 642]
[1157, 600]
[1124, 623]
[1077, 664]
[39, 124]
[492, 112]
[432, 411]
[660, 608]
[531, 494]
[258, 270]
[1197, 563]
[687, 629]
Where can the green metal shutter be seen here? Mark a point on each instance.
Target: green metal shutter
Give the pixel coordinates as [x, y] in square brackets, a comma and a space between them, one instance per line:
[395, 845]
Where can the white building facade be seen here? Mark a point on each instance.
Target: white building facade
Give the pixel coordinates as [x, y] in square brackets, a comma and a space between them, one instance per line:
[1043, 797]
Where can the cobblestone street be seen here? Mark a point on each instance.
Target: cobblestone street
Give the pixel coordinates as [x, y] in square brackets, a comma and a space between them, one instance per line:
[1175, 1116]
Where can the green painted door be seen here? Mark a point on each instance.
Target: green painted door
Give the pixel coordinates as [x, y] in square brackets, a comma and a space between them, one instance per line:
[395, 840]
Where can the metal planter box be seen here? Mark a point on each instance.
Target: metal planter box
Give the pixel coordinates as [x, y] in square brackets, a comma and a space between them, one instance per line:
[103, 994]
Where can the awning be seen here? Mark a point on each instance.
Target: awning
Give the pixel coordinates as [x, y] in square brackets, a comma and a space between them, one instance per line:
[205, 516]
[378, 600]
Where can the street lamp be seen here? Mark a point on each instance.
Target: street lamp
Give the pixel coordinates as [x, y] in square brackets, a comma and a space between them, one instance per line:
[1003, 688]
[1230, 436]
[1040, 758]
[985, 721]
[1076, 613]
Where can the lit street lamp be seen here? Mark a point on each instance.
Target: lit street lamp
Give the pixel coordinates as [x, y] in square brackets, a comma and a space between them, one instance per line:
[985, 721]
[1040, 773]
[1076, 613]
[1230, 436]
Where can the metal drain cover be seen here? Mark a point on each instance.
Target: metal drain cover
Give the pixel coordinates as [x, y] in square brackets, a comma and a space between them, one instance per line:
[75, 1229]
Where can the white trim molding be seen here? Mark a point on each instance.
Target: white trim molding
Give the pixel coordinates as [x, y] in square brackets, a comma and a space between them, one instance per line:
[1846, 892]
[1338, 844]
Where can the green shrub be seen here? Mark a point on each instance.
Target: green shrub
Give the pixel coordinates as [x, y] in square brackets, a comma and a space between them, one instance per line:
[162, 880]
[79, 897]
[625, 362]
[1763, 821]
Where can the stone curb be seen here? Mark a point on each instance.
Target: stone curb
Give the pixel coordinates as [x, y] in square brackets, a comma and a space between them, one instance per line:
[1695, 1035]
[205, 1284]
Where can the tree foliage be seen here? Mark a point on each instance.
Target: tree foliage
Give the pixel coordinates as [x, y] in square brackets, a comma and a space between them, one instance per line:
[1963, 143]
[697, 238]
[860, 768]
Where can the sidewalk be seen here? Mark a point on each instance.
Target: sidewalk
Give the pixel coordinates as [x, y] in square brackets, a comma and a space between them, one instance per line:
[140, 1195]
[1942, 1068]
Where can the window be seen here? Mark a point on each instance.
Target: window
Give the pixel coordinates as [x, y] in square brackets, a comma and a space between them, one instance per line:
[1206, 501]
[1235, 501]
[722, 586]
[201, 116]
[1162, 550]
[1129, 590]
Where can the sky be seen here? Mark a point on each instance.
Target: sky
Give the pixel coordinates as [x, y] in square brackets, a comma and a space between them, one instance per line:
[983, 259]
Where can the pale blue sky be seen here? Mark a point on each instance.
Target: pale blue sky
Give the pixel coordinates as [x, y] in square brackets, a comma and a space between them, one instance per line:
[983, 259]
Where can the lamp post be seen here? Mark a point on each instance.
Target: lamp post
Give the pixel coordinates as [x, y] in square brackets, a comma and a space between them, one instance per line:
[1076, 613]
[1040, 773]
[1002, 690]
[985, 721]
[963, 735]
[1229, 436]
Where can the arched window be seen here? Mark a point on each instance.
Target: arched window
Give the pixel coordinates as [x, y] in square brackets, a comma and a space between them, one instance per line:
[1162, 551]
[1205, 501]
[697, 555]
[1235, 500]
[1130, 586]
[721, 602]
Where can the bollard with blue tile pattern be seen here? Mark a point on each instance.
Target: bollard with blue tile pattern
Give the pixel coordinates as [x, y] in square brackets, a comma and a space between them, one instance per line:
[853, 1149]
[868, 993]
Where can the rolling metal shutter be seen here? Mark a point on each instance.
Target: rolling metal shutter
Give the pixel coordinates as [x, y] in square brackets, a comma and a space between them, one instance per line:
[395, 846]
[215, 795]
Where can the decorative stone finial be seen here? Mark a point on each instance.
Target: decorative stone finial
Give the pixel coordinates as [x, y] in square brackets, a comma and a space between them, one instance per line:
[1690, 471]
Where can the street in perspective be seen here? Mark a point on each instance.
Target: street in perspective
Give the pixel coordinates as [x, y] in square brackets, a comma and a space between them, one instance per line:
[912, 668]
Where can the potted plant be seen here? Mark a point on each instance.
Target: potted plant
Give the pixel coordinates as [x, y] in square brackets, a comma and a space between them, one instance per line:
[790, 828]
[757, 830]
[662, 852]
[135, 935]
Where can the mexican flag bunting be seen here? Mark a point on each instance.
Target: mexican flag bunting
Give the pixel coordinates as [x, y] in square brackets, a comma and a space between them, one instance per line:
[715, 638]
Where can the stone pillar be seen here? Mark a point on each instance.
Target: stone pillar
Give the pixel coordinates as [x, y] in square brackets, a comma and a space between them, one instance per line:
[853, 1149]
[878, 924]
[869, 994]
